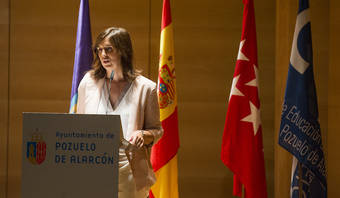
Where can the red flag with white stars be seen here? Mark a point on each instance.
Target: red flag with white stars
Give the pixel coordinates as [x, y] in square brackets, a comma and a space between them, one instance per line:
[242, 148]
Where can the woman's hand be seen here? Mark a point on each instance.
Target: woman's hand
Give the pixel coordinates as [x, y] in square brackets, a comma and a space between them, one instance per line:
[137, 139]
[141, 138]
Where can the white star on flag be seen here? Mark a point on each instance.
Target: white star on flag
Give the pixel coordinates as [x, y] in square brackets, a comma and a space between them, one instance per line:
[234, 90]
[254, 82]
[240, 55]
[253, 117]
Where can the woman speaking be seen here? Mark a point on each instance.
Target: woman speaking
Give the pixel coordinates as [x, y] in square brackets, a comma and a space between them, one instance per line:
[113, 86]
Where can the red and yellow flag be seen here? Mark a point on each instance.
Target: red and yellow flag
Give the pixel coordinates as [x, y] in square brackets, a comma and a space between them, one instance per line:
[164, 153]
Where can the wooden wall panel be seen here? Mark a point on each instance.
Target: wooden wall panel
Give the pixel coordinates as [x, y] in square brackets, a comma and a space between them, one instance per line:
[4, 52]
[207, 37]
[133, 15]
[333, 101]
[265, 26]
[285, 23]
[155, 16]
[320, 38]
[42, 42]
[42, 55]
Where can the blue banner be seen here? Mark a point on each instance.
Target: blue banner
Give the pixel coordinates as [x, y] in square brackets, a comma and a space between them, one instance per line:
[300, 129]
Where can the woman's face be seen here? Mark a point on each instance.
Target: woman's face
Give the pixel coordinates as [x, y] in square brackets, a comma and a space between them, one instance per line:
[108, 55]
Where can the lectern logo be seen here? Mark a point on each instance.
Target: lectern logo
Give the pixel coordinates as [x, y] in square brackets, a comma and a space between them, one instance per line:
[36, 149]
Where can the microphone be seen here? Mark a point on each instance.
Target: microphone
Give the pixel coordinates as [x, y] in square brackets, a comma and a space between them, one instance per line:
[109, 90]
[111, 76]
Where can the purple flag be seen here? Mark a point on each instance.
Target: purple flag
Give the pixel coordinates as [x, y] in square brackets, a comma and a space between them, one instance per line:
[83, 54]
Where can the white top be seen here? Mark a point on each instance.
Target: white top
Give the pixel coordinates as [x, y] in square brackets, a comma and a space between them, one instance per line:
[123, 110]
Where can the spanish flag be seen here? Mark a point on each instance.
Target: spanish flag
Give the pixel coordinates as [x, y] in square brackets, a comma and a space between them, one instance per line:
[164, 153]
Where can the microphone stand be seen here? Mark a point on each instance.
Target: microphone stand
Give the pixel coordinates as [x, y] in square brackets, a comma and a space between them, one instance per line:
[109, 91]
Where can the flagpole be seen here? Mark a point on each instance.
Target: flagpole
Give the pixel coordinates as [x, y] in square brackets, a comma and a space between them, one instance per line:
[300, 180]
